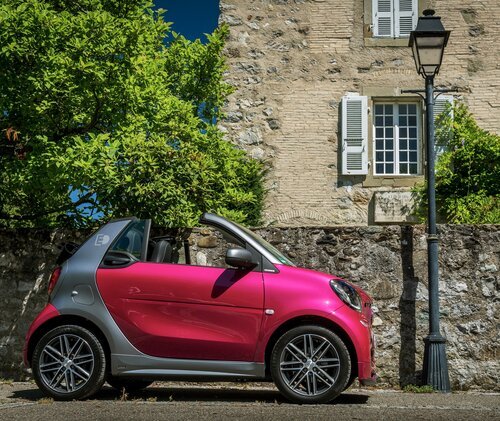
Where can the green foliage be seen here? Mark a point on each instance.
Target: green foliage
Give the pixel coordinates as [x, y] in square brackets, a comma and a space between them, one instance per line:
[468, 173]
[195, 72]
[411, 388]
[95, 106]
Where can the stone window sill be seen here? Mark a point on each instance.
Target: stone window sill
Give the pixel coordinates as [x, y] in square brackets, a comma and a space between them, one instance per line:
[395, 181]
[386, 42]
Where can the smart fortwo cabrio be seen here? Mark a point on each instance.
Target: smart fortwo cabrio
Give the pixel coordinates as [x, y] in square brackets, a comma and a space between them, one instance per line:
[124, 308]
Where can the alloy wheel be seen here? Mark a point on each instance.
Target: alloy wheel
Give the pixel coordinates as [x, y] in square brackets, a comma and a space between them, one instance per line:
[309, 365]
[66, 363]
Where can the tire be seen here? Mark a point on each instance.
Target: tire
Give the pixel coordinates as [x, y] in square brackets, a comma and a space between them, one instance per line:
[349, 382]
[69, 363]
[310, 365]
[130, 385]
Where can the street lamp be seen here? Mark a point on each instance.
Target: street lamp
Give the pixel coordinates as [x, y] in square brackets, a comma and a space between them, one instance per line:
[428, 41]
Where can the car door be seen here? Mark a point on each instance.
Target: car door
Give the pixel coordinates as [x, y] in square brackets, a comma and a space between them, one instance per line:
[186, 311]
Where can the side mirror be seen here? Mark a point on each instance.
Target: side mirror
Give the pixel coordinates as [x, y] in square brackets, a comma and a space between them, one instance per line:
[240, 258]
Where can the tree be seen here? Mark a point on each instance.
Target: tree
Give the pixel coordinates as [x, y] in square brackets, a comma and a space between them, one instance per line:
[468, 172]
[102, 118]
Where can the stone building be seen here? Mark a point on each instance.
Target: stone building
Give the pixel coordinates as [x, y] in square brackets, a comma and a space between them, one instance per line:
[302, 67]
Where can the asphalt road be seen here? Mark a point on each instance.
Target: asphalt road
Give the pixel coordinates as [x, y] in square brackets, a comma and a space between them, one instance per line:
[247, 401]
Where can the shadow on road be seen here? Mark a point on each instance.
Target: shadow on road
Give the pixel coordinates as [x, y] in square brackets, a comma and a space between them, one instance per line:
[166, 394]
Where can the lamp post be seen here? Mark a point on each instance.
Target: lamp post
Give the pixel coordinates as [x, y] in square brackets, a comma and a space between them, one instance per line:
[428, 41]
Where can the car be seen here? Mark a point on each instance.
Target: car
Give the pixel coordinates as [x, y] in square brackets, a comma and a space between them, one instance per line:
[129, 309]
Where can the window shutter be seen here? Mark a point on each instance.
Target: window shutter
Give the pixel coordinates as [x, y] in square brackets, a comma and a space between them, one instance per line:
[354, 135]
[405, 16]
[383, 18]
[440, 105]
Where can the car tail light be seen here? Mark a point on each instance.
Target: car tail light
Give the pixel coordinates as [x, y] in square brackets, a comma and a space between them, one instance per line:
[54, 278]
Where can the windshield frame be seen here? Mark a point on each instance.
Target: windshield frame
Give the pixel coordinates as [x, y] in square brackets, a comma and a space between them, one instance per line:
[282, 259]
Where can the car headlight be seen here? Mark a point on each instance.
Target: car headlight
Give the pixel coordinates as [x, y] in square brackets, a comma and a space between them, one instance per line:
[346, 293]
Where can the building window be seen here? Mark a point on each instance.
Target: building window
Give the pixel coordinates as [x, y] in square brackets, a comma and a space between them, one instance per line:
[396, 137]
[394, 18]
[382, 136]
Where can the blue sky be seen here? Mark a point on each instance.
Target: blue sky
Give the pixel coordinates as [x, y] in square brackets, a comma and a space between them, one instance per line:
[191, 18]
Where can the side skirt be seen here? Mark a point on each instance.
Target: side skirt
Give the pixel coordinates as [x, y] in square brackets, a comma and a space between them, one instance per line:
[154, 367]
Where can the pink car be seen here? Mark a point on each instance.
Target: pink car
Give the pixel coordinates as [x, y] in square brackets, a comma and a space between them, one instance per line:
[123, 309]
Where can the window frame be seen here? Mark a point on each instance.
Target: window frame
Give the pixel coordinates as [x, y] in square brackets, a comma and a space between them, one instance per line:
[395, 15]
[371, 40]
[395, 102]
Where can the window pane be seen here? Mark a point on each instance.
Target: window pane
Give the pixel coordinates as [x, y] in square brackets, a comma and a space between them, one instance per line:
[131, 239]
[396, 139]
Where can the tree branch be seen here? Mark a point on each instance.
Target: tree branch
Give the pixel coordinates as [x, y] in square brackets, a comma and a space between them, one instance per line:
[30, 217]
[68, 131]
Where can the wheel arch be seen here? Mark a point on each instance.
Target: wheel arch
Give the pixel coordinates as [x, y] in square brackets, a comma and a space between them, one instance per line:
[68, 320]
[317, 321]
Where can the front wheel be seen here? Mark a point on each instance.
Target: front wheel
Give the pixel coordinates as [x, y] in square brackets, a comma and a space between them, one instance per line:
[69, 363]
[310, 364]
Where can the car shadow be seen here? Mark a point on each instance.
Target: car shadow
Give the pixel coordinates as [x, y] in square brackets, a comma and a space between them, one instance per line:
[243, 393]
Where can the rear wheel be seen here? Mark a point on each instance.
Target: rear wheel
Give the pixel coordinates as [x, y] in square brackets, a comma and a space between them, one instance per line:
[310, 364]
[69, 363]
[130, 385]
[350, 382]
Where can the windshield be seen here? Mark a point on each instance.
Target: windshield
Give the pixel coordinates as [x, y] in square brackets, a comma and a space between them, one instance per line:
[269, 247]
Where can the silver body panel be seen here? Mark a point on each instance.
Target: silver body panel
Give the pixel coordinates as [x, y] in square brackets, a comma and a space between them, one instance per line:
[145, 365]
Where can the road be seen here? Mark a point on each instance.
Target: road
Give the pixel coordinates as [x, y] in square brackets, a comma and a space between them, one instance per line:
[245, 401]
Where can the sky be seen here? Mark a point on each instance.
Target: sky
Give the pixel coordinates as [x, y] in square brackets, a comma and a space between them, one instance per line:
[191, 18]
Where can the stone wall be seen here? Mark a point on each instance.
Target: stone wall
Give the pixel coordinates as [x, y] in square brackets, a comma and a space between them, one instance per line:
[291, 61]
[389, 262]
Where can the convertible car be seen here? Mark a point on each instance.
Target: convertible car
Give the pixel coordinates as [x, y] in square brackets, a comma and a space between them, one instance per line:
[130, 309]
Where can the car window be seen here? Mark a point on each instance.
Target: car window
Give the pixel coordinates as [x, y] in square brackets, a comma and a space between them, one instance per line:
[208, 247]
[131, 239]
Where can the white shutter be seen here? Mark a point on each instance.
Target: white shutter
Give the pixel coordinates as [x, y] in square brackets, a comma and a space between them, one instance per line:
[440, 105]
[354, 135]
[383, 18]
[405, 17]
